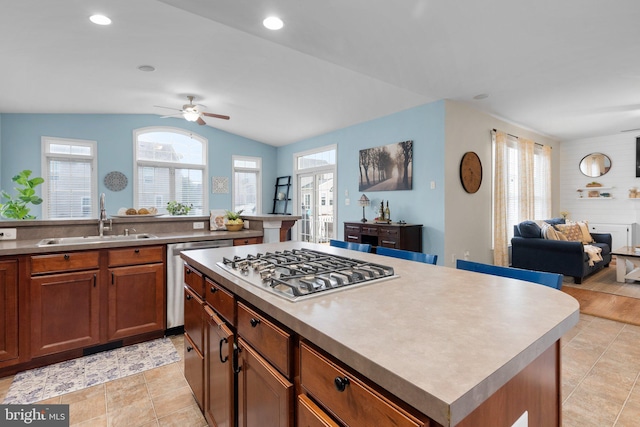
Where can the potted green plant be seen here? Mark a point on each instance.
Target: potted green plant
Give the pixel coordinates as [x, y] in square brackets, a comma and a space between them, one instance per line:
[176, 208]
[234, 222]
[16, 207]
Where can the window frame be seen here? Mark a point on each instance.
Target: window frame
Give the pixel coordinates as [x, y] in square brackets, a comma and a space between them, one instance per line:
[46, 155]
[258, 171]
[172, 165]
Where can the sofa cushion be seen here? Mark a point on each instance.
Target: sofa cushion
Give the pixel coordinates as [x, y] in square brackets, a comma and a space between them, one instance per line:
[571, 231]
[529, 229]
[555, 221]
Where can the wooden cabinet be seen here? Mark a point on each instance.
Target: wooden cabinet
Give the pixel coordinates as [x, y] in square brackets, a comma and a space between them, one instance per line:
[8, 310]
[65, 302]
[194, 369]
[265, 396]
[310, 415]
[398, 236]
[136, 291]
[84, 298]
[347, 396]
[219, 374]
[247, 241]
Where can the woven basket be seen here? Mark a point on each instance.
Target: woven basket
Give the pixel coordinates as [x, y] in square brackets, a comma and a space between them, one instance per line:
[235, 227]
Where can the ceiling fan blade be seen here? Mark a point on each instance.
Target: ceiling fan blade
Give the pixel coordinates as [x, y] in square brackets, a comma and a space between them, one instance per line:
[217, 116]
[168, 108]
[170, 115]
[200, 121]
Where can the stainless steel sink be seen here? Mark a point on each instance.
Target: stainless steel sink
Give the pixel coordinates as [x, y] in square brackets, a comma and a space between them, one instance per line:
[85, 240]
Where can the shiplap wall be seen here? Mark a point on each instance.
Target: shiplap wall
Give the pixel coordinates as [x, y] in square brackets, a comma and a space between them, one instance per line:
[621, 149]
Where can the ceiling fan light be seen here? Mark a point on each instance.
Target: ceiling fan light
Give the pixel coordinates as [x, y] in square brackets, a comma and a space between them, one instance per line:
[191, 116]
[100, 19]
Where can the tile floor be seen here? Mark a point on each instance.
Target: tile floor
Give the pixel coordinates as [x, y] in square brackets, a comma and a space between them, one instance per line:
[600, 386]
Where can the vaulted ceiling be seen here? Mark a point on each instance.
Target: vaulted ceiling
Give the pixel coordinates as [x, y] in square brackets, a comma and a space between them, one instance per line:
[568, 69]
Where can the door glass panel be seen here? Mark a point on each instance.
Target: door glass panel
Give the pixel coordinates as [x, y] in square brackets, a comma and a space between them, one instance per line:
[317, 207]
[306, 189]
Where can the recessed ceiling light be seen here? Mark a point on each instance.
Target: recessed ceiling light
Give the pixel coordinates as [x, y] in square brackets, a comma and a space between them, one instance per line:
[481, 96]
[273, 23]
[100, 19]
[147, 68]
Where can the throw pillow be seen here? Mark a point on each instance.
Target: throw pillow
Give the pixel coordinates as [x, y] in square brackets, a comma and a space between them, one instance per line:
[584, 228]
[550, 233]
[555, 221]
[529, 229]
[571, 231]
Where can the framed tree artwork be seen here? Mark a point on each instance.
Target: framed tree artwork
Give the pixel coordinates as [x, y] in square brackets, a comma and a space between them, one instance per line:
[387, 167]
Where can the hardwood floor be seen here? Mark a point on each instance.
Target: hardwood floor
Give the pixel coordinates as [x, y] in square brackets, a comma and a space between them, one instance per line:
[608, 306]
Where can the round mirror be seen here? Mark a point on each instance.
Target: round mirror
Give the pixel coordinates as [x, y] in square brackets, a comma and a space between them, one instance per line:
[595, 164]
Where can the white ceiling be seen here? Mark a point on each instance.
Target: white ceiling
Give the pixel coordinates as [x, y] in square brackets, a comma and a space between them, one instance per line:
[569, 69]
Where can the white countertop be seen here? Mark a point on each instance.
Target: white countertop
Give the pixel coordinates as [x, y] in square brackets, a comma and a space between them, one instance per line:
[443, 340]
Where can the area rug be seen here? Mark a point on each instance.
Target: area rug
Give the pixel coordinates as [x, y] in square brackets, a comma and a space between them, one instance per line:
[72, 375]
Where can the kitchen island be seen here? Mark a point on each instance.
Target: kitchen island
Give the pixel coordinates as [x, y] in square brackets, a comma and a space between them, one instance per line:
[460, 347]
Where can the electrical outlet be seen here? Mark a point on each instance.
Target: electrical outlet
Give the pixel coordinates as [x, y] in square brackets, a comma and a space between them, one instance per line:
[453, 258]
[198, 225]
[347, 202]
[466, 255]
[8, 233]
[433, 185]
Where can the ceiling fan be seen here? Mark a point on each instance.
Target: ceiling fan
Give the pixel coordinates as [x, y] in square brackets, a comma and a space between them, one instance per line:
[191, 113]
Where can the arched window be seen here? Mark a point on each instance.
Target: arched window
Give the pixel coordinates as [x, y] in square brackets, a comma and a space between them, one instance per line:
[171, 164]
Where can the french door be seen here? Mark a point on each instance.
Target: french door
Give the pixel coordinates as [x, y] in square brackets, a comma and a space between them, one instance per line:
[317, 207]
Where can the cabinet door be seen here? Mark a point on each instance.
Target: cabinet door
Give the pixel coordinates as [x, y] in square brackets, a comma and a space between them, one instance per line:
[219, 385]
[64, 312]
[136, 300]
[8, 310]
[193, 318]
[264, 395]
[247, 241]
[194, 369]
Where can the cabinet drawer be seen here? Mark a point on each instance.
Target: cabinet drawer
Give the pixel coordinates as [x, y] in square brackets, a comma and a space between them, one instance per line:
[221, 300]
[136, 255]
[357, 404]
[69, 261]
[247, 241]
[193, 317]
[393, 233]
[348, 228]
[369, 231]
[309, 415]
[273, 343]
[194, 279]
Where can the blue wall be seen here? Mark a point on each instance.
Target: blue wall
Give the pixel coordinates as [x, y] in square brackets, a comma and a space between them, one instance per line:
[425, 126]
[20, 148]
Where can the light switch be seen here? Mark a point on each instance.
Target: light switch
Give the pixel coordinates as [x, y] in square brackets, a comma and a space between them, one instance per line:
[433, 185]
[347, 202]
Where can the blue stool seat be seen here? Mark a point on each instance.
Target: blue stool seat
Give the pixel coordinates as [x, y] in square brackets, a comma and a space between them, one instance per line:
[411, 256]
[362, 247]
[552, 280]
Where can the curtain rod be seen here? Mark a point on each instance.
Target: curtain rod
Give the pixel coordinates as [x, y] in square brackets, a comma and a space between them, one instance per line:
[513, 136]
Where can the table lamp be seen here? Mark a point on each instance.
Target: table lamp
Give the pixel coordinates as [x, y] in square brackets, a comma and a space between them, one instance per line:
[364, 201]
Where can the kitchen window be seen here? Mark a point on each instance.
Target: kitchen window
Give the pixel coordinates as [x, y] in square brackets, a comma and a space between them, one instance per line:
[171, 164]
[247, 194]
[69, 169]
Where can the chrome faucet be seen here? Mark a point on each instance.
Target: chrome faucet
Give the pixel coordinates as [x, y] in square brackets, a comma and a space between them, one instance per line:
[103, 218]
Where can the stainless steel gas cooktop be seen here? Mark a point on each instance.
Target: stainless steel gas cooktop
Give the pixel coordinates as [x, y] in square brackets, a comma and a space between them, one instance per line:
[303, 273]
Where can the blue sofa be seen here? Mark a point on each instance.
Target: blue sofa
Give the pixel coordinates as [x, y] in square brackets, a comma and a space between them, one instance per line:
[532, 252]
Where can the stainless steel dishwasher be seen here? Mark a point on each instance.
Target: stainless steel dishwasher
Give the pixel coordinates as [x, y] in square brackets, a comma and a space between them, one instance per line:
[175, 281]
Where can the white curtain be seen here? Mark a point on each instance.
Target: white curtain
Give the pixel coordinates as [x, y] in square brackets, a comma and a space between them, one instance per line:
[522, 188]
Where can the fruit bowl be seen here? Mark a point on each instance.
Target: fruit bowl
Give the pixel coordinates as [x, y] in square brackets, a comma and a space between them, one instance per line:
[235, 227]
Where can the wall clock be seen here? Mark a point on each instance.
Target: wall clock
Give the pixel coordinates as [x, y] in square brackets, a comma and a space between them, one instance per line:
[471, 172]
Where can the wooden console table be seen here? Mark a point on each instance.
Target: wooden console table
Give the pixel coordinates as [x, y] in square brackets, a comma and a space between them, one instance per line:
[398, 236]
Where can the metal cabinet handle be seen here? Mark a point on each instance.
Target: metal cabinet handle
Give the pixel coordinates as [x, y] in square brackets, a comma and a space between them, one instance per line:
[188, 296]
[189, 348]
[137, 251]
[188, 271]
[214, 289]
[223, 341]
[67, 256]
[254, 322]
[95, 279]
[341, 383]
